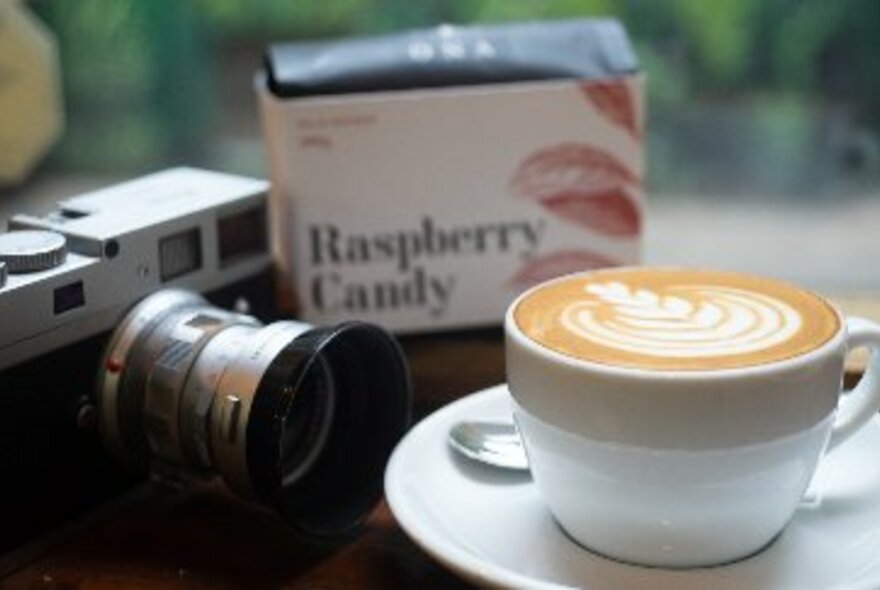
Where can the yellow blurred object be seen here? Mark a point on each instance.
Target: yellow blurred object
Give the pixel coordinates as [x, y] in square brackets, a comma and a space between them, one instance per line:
[31, 117]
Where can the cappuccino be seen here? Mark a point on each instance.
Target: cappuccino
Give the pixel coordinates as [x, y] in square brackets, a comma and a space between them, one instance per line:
[675, 319]
[641, 445]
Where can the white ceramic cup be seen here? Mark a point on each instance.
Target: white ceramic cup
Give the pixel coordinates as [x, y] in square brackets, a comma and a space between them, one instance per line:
[683, 468]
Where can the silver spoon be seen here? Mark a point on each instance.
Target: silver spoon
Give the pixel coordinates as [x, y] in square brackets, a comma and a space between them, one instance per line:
[492, 443]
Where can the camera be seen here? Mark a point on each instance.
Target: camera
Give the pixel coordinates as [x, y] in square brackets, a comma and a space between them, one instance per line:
[135, 342]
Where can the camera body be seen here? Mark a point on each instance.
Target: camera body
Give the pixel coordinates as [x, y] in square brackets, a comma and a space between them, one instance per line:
[68, 280]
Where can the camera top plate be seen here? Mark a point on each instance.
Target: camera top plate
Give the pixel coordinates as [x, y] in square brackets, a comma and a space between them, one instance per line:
[182, 227]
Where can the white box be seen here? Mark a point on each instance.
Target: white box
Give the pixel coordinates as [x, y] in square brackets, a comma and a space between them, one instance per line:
[432, 208]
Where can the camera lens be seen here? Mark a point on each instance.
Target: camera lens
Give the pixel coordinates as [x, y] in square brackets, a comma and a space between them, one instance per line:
[302, 419]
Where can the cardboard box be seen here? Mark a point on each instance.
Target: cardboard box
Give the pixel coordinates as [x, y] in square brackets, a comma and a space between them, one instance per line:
[421, 181]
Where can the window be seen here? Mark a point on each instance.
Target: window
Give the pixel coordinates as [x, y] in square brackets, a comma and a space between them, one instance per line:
[763, 125]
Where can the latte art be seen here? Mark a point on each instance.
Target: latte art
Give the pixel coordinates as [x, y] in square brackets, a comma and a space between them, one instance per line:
[678, 319]
[688, 321]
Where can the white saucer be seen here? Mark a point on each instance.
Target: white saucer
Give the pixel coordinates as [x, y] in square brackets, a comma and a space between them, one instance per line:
[491, 528]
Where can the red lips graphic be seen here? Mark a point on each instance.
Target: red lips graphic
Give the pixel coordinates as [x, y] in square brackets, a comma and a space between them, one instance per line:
[581, 184]
[556, 264]
[611, 212]
[615, 101]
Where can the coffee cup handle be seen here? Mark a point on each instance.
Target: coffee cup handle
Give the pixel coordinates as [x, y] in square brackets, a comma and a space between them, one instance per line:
[856, 408]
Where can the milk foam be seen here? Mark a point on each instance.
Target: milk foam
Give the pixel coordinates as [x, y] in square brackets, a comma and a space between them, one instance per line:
[680, 321]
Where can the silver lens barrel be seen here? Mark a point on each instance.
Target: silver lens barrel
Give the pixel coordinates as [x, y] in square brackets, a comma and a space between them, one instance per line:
[187, 389]
[178, 382]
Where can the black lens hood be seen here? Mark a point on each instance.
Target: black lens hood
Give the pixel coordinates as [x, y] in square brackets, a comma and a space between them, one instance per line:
[364, 368]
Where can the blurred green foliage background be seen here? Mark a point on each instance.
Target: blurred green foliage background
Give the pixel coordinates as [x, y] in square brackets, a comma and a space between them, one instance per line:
[746, 97]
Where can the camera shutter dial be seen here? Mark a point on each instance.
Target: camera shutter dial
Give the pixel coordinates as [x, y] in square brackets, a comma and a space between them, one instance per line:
[32, 250]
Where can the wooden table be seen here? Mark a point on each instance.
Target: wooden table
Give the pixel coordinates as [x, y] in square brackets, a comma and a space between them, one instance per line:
[208, 538]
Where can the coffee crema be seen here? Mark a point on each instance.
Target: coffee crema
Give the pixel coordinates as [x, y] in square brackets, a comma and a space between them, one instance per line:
[675, 319]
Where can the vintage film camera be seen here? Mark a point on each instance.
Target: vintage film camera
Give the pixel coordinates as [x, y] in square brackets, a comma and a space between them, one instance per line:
[119, 359]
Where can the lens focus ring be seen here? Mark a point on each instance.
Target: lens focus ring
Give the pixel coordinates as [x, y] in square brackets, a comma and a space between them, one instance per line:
[174, 347]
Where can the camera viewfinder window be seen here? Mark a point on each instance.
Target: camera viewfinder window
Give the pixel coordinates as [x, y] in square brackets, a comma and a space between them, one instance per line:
[242, 235]
[68, 297]
[180, 254]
